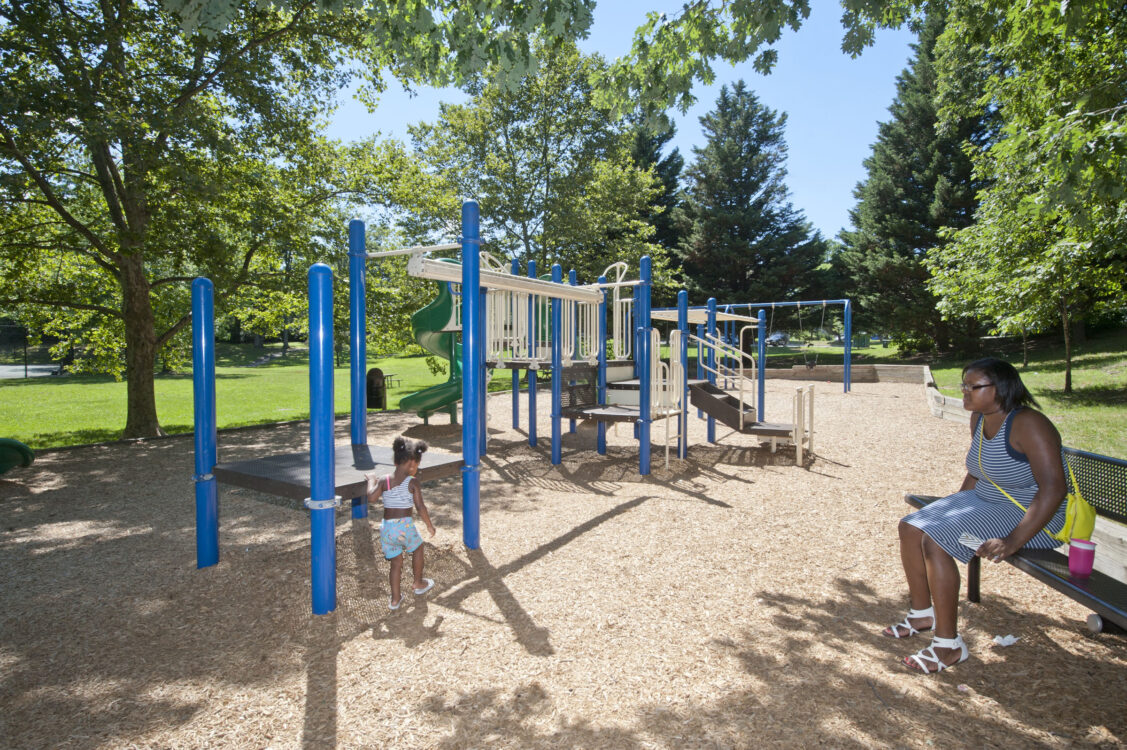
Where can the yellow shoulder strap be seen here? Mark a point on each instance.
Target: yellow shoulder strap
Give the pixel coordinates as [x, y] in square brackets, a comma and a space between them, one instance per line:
[981, 437]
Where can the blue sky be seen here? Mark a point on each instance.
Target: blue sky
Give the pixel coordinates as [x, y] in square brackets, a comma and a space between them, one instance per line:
[833, 103]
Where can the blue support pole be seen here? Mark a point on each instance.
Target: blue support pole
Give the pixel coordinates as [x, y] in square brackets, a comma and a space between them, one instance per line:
[516, 373]
[644, 364]
[600, 426]
[683, 418]
[711, 329]
[847, 372]
[534, 332]
[206, 440]
[358, 339]
[557, 367]
[472, 365]
[322, 500]
[636, 345]
[761, 364]
[573, 280]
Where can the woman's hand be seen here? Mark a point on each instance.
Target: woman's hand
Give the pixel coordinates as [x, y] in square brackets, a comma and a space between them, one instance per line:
[430, 529]
[995, 549]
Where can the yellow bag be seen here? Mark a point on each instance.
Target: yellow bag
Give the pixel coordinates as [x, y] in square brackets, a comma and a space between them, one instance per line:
[1079, 515]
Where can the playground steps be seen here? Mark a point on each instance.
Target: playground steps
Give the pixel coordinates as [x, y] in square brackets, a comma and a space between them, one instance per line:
[629, 392]
[725, 408]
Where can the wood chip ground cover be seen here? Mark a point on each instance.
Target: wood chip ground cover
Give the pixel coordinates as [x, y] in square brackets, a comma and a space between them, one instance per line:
[732, 600]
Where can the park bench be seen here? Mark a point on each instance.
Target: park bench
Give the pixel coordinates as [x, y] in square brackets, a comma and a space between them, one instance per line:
[1102, 481]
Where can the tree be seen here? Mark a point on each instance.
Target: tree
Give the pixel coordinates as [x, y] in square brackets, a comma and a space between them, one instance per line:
[919, 181]
[743, 240]
[553, 175]
[1049, 237]
[647, 153]
[134, 156]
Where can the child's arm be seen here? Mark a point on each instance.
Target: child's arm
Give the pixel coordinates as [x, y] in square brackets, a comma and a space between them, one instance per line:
[375, 487]
[420, 506]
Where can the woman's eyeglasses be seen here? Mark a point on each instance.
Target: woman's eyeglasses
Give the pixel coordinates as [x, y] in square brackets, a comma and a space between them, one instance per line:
[967, 388]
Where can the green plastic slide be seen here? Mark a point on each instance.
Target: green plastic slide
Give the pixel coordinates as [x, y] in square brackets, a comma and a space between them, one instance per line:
[13, 453]
[427, 325]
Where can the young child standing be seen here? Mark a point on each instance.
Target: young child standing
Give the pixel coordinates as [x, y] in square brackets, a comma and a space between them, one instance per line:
[400, 493]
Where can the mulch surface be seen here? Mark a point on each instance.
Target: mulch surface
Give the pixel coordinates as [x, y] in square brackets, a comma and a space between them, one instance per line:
[732, 600]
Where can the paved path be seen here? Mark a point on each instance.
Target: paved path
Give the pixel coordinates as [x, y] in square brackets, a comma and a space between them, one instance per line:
[33, 371]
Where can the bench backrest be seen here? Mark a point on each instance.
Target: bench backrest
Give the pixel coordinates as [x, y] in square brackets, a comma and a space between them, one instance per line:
[1102, 480]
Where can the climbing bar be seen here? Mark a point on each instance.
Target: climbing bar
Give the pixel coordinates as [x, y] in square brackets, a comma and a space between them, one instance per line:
[415, 249]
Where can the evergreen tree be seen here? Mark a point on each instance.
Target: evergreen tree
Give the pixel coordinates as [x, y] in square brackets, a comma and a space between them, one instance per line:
[647, 152]
[744, 242]
[919, 181]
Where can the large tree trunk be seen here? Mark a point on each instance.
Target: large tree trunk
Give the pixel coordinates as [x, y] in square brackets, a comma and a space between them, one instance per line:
[140, 350]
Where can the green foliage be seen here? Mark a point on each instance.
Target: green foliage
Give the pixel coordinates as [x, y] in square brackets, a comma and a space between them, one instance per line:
[743, 240]
[1048, 240]
[134, 157]
[438, 42]
[919, 181]
[647, 153]
[553, 175]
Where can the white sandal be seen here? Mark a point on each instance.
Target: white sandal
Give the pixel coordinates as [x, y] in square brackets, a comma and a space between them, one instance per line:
[928, 655]
[893, 631]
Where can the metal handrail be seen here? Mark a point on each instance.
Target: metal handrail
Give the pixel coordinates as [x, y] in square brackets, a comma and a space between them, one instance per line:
[720, 347]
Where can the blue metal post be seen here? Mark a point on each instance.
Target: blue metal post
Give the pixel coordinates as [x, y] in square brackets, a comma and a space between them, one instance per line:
[761, 364]
[534, 332]
[711, 329]
[515, 373]
[847, 371]
[358, 339]
[683, 327]
[600, 426]
[644, 364]
[636, 346]
[322, 500]
[573, 280]
[472, 365]
[557, 367]
[203, 392]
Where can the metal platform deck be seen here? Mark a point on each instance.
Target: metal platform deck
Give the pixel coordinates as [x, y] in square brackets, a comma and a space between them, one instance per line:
[287, 474]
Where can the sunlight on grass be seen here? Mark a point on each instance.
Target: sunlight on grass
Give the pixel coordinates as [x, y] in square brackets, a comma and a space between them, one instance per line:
[75, 410]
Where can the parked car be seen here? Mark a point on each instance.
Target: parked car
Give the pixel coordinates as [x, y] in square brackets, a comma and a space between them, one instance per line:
[778, 338]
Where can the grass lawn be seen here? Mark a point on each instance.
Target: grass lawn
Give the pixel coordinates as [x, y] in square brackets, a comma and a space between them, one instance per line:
[1094, 416]
[77, 409]
[72, 410]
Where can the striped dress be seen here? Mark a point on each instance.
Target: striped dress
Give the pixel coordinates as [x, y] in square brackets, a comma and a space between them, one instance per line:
[983, 510]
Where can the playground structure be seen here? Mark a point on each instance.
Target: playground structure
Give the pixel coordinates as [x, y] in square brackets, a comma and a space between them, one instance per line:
[14, 454]
[514, 322]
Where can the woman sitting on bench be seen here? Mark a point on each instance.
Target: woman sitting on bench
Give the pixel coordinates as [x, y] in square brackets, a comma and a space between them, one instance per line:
[1012, 448]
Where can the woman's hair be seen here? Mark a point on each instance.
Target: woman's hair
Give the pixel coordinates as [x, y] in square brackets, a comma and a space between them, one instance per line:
[1008, 388]
[405, 449]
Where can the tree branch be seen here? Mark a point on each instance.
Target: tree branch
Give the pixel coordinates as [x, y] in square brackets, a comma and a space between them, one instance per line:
[49, 194]
[172, 331]
[70, 305]
[186, 95]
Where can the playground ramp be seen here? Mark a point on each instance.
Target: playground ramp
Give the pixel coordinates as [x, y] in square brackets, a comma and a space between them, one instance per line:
[726, 408]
